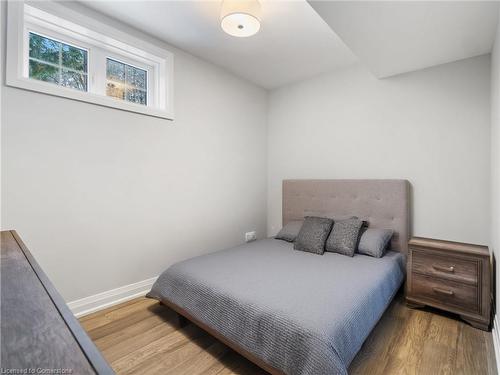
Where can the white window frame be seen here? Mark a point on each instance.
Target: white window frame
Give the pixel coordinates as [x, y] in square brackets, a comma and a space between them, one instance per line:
[63, 24]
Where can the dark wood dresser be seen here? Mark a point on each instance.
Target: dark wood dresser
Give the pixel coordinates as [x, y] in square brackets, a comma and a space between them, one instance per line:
[40, 335]
[451, 276]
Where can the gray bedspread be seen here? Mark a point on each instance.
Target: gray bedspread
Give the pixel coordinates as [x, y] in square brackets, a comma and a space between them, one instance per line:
[299, 312]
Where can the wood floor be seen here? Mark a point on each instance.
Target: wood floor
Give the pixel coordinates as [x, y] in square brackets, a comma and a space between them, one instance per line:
[142, 337]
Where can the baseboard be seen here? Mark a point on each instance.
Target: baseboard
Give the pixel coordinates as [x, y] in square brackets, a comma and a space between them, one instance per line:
[111, 297]
[495, 331]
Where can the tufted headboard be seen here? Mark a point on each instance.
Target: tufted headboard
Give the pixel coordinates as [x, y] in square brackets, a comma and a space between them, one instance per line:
[383, 203]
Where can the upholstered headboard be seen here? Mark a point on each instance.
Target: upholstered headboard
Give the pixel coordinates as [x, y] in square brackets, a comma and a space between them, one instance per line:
[383, 203]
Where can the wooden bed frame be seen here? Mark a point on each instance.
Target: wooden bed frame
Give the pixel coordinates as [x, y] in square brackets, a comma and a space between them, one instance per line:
[383, 203]
[184, 318]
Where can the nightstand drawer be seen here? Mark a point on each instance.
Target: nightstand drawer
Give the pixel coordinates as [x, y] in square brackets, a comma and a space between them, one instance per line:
[447, 292]
[447, 267]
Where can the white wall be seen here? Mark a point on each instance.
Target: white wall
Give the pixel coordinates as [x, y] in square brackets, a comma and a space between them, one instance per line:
[105, 198]
[431, 127]
[495, 157]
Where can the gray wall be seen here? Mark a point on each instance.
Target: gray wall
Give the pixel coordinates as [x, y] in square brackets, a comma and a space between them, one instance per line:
[105, 198]
[495, 155]
[431, 127]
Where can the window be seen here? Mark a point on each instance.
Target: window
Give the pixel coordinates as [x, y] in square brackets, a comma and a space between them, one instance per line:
[126, 82]
[55, 50]
[56, 62]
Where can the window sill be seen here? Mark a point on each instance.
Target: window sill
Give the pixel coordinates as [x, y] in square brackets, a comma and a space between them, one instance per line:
[50, 89]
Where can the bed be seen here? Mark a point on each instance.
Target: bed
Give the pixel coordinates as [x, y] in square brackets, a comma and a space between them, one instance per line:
[293, 312]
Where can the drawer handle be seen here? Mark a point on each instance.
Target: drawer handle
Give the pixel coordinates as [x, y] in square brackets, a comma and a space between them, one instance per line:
[450, 269]
[443, 291]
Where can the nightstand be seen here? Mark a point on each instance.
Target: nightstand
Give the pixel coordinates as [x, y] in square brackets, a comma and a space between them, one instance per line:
[451, 276]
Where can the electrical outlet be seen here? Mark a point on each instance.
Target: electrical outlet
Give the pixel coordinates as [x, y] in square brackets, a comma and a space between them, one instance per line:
[250, 236]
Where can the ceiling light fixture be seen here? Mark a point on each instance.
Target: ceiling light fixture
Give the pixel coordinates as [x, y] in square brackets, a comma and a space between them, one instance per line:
[240, 17]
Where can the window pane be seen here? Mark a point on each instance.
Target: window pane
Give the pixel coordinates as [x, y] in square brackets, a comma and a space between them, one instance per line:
[115, 70]
[136, 77]
[136, 96]
[74, 80]
[74, 58]
[44, 49]
[126, 82]
[58, 63]
[44, 72]
[115, 89]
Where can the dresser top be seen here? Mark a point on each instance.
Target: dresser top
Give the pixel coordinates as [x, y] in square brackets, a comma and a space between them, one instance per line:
[456, 247]
[39, 332]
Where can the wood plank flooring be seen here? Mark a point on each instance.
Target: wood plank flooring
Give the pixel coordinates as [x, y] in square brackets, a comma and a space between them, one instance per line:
[143, 337]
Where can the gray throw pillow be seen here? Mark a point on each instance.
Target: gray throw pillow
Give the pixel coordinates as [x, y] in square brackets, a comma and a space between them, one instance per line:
[344, 236]
[290, 231]
[313, 234]
[374, 241]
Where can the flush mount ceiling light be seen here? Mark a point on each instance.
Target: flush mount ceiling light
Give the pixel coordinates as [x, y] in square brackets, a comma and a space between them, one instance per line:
[240, 17]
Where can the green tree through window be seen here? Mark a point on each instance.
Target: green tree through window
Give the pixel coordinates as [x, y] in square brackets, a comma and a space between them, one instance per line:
[57, 62]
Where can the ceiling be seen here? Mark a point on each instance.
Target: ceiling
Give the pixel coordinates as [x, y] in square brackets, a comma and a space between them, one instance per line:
[293, 43]
[298, 39]
[396, 37]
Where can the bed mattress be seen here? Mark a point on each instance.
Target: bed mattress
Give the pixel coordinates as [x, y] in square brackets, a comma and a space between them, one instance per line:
[299, 312]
